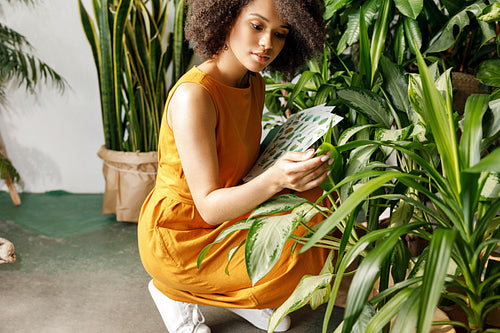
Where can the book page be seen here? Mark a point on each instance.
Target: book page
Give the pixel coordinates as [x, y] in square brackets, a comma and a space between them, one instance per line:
[298, 133]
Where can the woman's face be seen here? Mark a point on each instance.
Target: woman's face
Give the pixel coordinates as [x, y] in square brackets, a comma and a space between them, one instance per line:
[258, 35]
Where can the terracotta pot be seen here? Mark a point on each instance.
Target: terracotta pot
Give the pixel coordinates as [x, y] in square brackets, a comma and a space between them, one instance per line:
[129, 176]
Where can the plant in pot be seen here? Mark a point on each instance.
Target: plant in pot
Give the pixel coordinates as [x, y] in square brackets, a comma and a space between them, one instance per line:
[21, 66]
[462, 226]
[133, 51]
[421, 177]
[469, 37]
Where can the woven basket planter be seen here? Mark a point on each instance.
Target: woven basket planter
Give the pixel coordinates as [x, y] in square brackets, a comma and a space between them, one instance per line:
[129, 176]
[464, 85]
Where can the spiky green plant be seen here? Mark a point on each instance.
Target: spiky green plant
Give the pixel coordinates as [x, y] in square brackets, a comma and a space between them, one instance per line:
[19, 65]
[132, 54]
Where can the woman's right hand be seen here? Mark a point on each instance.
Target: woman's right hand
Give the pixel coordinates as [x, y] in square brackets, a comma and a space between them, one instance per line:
[301, 171]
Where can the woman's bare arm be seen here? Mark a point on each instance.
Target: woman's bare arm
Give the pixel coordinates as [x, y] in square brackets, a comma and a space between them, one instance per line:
[192, 118]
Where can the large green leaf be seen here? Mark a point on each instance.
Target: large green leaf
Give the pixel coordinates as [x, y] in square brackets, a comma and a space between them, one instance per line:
[470, 142]
[365, 63]
[351, 34]
[406, 321]
[278, 204]
[396, 84]
[335, 169]
[410, 8]
[400, 44]
[383, 134]
[488, 72]
[299, 87]
[105, 71]
[240, 225]
[308, 285]
[489, 163]
[367, 103]
[412, 32]
[493, 119]
[358, 160]
[267, 237]
[350, 132]
[178, 40]
[120, 20]
[446, 38]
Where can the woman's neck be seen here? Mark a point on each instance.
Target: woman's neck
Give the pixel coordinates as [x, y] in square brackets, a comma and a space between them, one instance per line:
[225, 72]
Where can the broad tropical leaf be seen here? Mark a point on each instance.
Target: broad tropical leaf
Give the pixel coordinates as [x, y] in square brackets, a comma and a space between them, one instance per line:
[367, 103]
[410, 8]
[267, 237]
[488, 72]
[445, 39]
[308, 285]
[241, 225]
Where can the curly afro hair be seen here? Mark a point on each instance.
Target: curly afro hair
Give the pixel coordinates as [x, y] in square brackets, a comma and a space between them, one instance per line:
[209, 22]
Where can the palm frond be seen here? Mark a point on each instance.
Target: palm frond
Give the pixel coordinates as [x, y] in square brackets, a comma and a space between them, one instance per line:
[6, 168]
[18, 63]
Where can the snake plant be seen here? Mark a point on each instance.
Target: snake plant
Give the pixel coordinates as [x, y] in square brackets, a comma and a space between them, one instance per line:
[133, 51]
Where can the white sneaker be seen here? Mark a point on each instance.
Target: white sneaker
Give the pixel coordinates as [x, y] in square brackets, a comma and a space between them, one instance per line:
[260, 318]
[179, 317]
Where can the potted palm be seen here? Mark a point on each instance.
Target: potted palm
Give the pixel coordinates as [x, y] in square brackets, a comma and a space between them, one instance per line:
[133, 52]
[19, 64]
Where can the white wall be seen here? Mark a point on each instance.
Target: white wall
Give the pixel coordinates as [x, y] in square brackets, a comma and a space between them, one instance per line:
[53, 138]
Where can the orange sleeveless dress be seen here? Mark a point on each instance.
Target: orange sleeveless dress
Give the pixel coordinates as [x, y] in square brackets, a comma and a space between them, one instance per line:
[171, 232]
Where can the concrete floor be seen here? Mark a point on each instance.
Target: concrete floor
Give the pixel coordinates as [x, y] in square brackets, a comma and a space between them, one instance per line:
[94, 282]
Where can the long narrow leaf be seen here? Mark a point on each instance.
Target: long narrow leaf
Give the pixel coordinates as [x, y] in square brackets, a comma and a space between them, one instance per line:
[350, 204]
[278, 204]
[120, 19]
[367, 273]
[364, 47]
[438, 116]
[379, 36]
[435, 272]
[470, 142]
[178, 40]
[390, 309]
[406, 321]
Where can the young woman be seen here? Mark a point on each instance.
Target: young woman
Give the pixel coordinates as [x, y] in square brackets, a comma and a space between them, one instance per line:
[209, 140]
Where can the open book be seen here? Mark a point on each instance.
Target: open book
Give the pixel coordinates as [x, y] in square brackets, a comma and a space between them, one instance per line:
[298, 133]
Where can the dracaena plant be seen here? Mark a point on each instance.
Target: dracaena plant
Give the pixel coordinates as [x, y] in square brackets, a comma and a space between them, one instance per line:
[462, 227]
[132, 53]
[458, 178]
[18, 64]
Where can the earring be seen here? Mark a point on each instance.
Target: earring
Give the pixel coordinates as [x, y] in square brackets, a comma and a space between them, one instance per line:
[225, 47]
